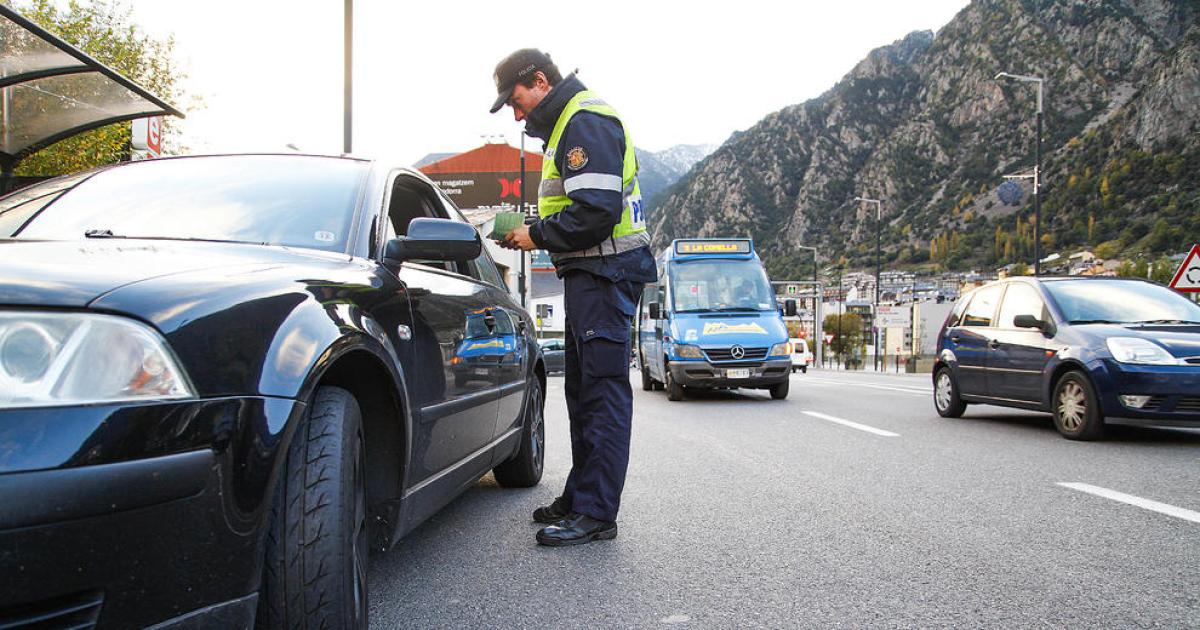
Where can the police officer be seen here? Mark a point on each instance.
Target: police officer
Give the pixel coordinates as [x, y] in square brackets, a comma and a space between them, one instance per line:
[591, 223]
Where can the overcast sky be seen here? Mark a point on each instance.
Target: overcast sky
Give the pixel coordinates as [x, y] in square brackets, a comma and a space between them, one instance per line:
[270, 71]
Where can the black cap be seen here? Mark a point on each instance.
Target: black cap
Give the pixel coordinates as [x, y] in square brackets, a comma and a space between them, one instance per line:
[517, 67]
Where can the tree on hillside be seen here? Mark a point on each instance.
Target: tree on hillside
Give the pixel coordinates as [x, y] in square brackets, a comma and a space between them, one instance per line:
[105, 30]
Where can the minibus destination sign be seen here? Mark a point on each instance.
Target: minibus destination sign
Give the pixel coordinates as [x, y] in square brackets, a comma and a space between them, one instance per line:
[739, 246]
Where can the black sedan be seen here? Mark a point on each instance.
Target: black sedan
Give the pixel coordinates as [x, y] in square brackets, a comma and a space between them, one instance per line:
[224, 379]
[1091, 351]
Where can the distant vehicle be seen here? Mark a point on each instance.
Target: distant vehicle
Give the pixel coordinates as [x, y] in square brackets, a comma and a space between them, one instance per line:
[801, 357]
[1091, 351]
[711, 321]
[554, 354]
[225, 379]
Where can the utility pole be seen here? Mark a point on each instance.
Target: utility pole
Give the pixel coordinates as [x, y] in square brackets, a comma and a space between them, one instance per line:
[878, 287]
[1037, 169]
[521, 276]
[347, 75]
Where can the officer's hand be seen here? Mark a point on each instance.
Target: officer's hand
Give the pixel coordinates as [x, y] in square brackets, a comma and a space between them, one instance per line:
[519, 238]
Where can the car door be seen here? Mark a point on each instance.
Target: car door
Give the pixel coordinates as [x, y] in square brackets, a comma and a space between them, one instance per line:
[455, 403]
[1018, 355]
[970, 339]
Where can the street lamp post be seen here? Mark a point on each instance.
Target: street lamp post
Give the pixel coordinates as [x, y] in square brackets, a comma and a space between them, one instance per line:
[816, 329]
[878, 287]
[1037, 169]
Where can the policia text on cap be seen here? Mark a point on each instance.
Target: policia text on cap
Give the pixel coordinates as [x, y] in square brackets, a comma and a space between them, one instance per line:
[591, 223]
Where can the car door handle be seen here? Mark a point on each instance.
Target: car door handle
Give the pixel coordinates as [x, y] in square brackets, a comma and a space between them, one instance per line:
[954, 338]
[993, 344]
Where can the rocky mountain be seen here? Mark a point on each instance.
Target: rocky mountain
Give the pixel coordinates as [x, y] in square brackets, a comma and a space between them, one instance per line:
[924, 125]
[658, 170]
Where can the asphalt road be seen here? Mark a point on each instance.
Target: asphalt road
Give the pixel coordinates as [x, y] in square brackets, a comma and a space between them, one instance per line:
[740, 511]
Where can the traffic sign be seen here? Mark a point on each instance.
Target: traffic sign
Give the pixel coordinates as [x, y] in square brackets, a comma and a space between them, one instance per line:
[828, 338]
[1187, 278]
[792, 289]
[1009, 192]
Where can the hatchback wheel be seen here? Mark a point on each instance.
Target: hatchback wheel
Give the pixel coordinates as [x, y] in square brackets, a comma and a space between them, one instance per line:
[1076, 411]
[945, 395]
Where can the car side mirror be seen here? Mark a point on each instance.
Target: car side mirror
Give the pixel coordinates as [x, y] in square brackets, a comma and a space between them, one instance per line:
[654, 311]
[1029, 321]
[789, 307]
[435, 239]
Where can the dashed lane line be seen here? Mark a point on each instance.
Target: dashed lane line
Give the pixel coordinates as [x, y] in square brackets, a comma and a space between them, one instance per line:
[1145, 504]
[852, 425]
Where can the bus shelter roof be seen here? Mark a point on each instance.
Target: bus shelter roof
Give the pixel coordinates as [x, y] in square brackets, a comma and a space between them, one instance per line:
[50, 90]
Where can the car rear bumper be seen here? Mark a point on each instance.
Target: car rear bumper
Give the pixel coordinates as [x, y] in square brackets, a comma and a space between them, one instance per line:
[139, 538]
[1174, 393]
[704, 374]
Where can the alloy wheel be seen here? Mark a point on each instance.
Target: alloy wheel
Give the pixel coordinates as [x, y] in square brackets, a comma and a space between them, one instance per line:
[537, 433]
[941, 394]
[1072, 406]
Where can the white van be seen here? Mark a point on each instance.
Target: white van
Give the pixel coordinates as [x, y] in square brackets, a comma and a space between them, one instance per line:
[801, 356]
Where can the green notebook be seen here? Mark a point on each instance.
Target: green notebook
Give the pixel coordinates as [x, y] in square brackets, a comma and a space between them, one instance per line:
[504, 223]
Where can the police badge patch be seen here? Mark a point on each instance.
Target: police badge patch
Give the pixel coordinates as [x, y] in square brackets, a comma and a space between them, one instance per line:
[577, 158]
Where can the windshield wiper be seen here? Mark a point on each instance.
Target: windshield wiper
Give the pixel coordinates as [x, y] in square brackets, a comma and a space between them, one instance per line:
[109, 234]
[1167, 321]
[731, 309]
[1094, 321]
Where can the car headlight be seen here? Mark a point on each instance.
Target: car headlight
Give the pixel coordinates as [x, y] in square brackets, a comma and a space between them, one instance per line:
[688, 351]
[1139, 351]
[50, 359]
[780, 350]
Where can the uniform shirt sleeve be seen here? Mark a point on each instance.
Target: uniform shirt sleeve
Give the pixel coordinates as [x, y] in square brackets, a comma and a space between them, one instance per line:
[594, 186]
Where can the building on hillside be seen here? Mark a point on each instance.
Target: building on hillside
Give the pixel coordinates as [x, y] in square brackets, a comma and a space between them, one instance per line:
[484, 181]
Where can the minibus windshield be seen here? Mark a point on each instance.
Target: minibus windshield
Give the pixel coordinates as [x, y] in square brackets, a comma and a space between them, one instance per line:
[721, 285]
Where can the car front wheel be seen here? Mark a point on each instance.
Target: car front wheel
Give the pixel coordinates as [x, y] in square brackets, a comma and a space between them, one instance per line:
[779, 391]
[315, 569]
[945, 395]
[1076, 411]
[647, 382]
[673, 387]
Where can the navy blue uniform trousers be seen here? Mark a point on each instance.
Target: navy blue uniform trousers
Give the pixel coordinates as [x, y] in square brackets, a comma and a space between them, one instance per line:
[599, 397]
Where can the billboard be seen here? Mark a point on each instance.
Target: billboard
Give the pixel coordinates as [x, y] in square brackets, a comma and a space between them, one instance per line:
[488, 191]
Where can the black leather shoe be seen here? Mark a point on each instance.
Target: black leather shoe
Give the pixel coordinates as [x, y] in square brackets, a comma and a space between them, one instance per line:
[552, 513]
[576, 529]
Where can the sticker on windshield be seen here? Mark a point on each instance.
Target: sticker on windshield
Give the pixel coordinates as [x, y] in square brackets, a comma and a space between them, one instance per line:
[325, 237]
[690, 335]
[721, 328]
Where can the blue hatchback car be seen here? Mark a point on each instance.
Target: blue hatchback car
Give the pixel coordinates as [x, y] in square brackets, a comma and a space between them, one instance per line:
[1090, 351]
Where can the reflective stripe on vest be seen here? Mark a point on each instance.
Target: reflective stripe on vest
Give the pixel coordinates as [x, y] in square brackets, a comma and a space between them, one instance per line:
[630, 232]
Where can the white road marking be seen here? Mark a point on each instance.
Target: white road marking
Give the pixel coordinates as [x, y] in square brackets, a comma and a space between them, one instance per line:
[1145, 504]
[852, 425]
[905, 390]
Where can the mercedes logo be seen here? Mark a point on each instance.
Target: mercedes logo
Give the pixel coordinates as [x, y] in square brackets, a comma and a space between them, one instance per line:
[737, 352]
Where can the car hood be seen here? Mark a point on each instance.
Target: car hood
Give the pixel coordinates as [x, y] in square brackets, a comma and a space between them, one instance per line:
[726, 329]
[73, 274]
[1180, 340]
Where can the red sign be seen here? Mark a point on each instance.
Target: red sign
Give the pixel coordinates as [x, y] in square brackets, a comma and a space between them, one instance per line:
[1187, 278]
[147, 135]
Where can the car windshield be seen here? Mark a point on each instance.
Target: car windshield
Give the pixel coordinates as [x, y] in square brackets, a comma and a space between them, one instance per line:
[721, 285]
[1121, 302]
[296, 201]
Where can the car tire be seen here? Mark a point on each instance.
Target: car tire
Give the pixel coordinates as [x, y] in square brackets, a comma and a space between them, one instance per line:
[524, 468]
[945, 395]
[674, 389]
[779, 390]
[804, 369]
[647, 382]
[315, 566]
[1076, 409]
